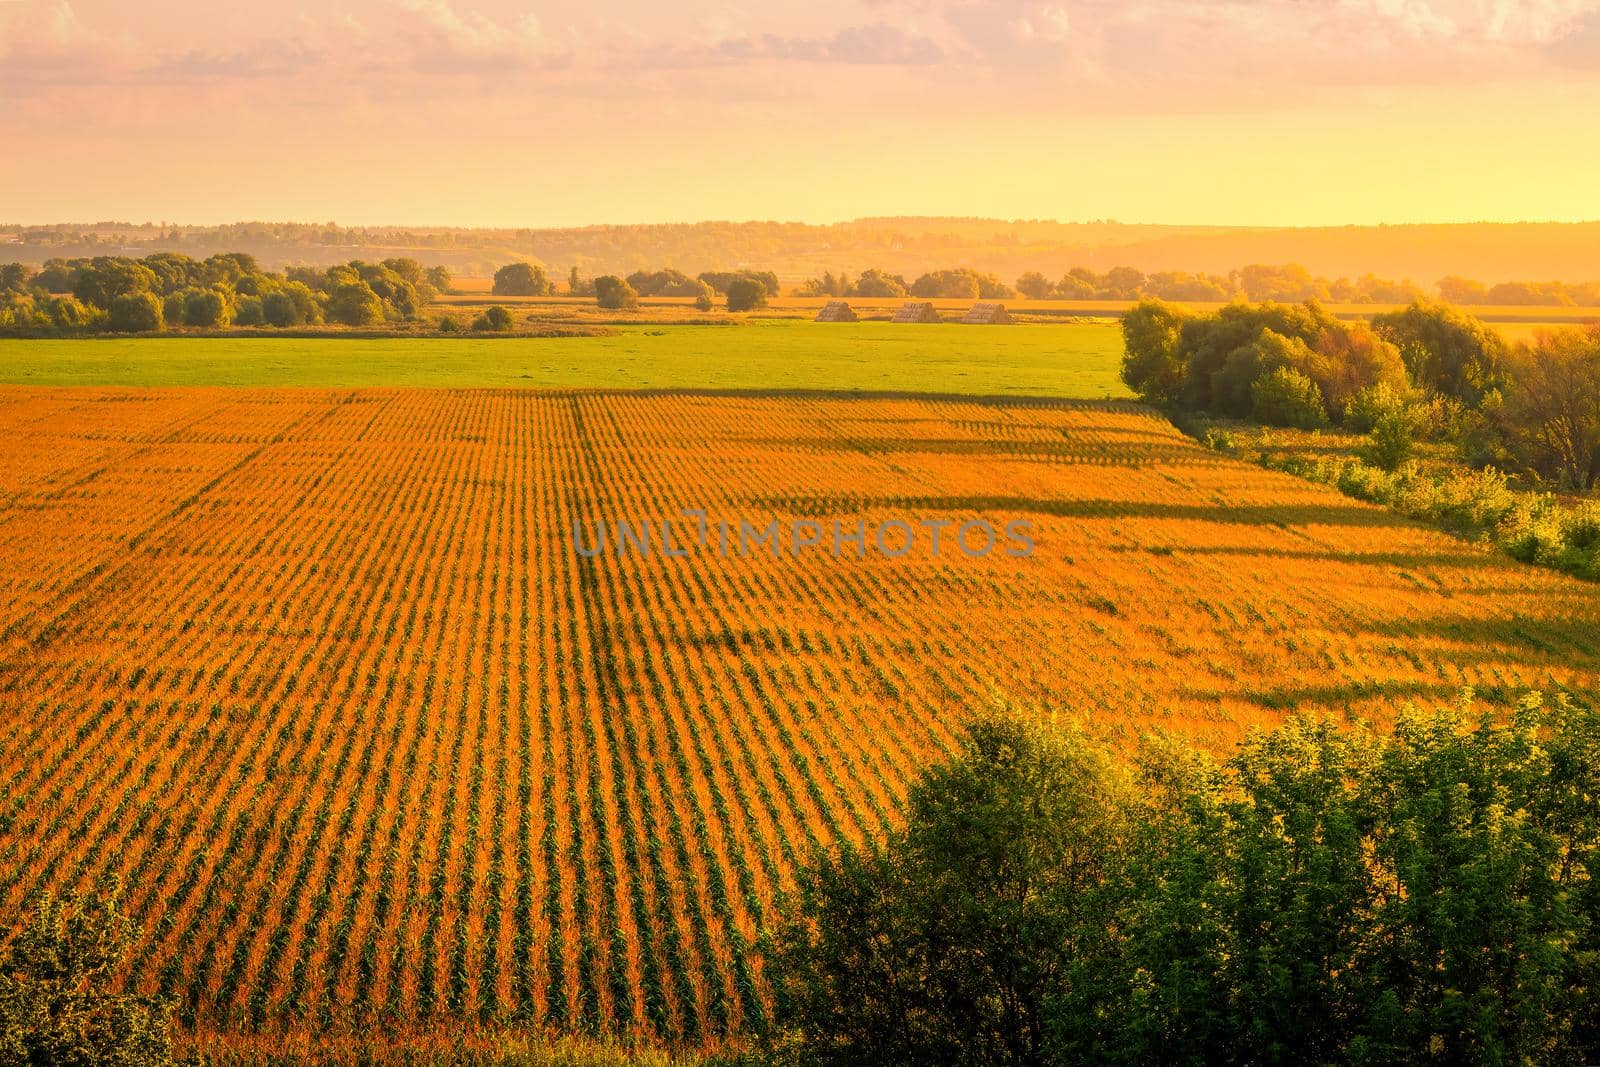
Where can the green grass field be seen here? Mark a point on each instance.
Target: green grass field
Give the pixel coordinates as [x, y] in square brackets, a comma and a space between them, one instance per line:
[1078, 360]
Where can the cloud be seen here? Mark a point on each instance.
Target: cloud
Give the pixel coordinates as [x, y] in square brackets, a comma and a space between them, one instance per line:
[1579, 47]
[874, 44]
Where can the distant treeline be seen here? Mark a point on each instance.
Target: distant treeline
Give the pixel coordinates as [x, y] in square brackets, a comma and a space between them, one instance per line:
[1287, 283]
[122, 295]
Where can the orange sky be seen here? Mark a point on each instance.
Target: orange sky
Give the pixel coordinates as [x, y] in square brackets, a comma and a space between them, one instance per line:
[492, 112]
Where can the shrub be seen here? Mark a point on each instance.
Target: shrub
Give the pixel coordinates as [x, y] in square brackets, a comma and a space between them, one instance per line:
[136, 313]
[1371, 404]
[449, 324]
[55, 1004]
[494, 320]
[613, 293]
[1391, 442]
[1285, 397]
[705, 299]
[746, 294]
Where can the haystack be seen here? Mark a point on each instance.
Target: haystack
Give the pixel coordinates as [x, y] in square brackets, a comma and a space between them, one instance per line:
[987, 313]
[836, 311]
[916, 311]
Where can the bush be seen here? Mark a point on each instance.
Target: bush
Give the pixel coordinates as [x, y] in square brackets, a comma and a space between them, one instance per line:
[69, 314]
[1285, 397]
[1370, 405]
[55, 1002]
[495, 320]
[746, 294]
[1391, 442]
[614, 294]
[136, 313]
[706, 298]
[449, 324]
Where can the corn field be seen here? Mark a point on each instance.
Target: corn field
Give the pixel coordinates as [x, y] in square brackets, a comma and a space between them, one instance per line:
[321, 675]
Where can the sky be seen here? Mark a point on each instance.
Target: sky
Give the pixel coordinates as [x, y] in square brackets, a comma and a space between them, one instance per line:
[505, 113]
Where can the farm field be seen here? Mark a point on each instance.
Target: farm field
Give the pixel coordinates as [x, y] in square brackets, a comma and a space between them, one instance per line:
[319, 671]
[1069, 360]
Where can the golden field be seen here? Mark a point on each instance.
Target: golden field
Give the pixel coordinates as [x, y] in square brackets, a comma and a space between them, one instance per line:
[319, 672]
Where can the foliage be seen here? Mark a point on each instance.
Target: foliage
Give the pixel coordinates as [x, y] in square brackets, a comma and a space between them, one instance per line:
[1551, 417]
[942, 944]
[614, 293]
[494, 319]
[522, 279]
[746, 294]
[1285, 397]
[1445, 350]
[1392, 441]
[354, 303]
[1153, 366]
[56, 1006]
[1330, 894]
[139, 312]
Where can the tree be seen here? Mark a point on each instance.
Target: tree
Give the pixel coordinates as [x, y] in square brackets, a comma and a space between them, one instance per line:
[876, 283]
[613, 293]
[55, 1004]
[946, 943]
[1285, 397]
[746, 294]
[68, 314]
[102, 280]
[522, 279]
[353, 303]
[1551, 415]
[1035, 286]
[496, 319]
[961, 283]
[205, 308]
[440, 278]
[705, 298]
[14, 277]
[136, 313]
[1153, 364]
[1446, 350]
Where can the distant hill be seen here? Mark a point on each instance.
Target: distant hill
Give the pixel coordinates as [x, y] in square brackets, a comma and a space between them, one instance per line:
[1423, 253]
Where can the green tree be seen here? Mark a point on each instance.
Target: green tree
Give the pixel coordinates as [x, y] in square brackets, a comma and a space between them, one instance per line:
[440, 278]
[205, 308]
[1285, 397]
[522, 279]
[353, 303]
[613, 293]
[1035, 286]
[1551, 415]
[876, 283]
[705, 299]
[56, 1006]
[136, 313]
[1392, 440]
[945, 943]
[1446, 350]
[746, 294]
[102, 280]
[1153, 364]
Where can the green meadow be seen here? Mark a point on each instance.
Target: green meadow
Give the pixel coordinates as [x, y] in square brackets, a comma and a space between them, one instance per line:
[1079, 360]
